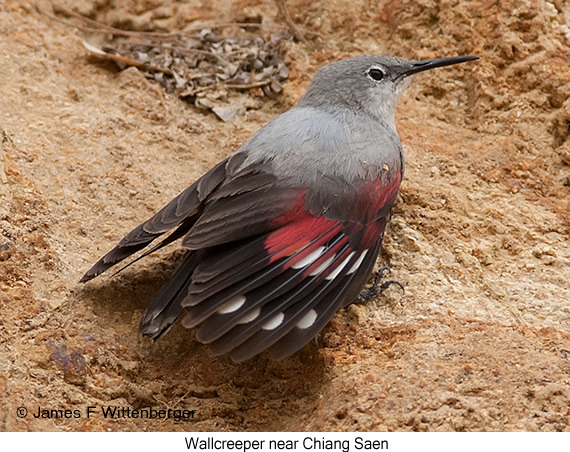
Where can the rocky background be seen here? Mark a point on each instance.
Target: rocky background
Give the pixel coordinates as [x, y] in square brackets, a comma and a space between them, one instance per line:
[479, 236]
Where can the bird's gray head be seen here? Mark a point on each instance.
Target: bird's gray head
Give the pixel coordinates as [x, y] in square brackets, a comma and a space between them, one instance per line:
[367, 84]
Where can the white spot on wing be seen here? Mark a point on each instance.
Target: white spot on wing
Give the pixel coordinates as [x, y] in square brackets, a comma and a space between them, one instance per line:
[307, 260]
[250, 317]
[307, 320]
[357, 263]
[337, 270]
[274, 322]
[323, 266]
[233, 305]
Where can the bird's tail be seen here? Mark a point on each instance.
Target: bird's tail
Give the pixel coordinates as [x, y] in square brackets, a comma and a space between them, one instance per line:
[166, 306]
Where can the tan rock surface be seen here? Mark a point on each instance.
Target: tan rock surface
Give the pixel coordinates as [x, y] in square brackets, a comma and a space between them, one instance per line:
[479, 235]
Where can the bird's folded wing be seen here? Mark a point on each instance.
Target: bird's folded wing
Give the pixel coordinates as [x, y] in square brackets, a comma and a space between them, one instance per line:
[285, 271]
[263, 269]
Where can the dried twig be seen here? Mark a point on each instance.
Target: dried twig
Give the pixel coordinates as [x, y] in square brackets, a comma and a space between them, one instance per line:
[183, 50]
[292, 27]
[248, 85]
[125, 60]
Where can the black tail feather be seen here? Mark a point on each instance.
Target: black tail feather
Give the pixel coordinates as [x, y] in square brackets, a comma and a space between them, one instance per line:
[166, 306]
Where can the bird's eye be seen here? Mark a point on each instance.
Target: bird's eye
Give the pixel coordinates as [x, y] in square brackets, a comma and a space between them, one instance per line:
[376, 74]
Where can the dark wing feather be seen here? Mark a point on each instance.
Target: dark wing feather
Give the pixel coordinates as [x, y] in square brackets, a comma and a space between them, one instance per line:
[300, 266]
[305, 306]
[180, 213]
[242, 214]
[278, 281]
[290, 307]
[166, 306]
[349, 288]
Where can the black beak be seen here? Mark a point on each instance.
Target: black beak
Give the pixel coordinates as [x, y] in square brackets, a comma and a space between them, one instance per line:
[424, 65]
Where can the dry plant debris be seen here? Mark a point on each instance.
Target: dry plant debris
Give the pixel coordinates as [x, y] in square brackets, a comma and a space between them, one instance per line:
[200, 67]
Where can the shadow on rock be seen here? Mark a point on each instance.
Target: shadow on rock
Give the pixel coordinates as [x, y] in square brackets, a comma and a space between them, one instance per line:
[176, 368]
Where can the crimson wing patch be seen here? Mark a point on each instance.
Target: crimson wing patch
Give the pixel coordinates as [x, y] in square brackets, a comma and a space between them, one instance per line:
[280, 289]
